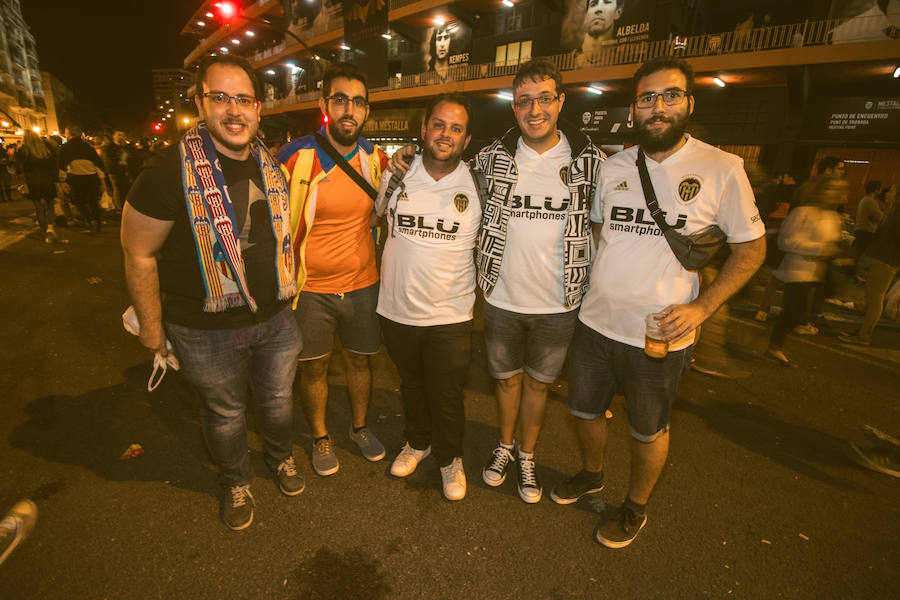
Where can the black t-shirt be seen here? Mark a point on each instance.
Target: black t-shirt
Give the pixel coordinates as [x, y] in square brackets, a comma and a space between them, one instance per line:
[158, 192]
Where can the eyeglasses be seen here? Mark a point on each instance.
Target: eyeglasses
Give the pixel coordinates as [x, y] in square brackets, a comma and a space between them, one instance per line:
[342, 100]
[669, 97]
[525, 102]
[242, 100]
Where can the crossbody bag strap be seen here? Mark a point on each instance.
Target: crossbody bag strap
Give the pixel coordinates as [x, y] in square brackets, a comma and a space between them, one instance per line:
[649, 194]
[340, 161]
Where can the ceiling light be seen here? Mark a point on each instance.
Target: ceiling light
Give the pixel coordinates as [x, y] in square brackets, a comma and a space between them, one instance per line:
[223, 49]
[235, 41]
[201, 23]
[505, 95]
[439, 21]
[509, 3]
[209, 15]
[344, 46]
[595, 90]
[386, 36]
[718, 82]
[270, 72]
[249, 33]
[896, 72]
[316, 56]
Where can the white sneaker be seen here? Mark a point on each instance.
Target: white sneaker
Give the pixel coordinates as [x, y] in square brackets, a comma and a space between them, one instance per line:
[454, 479]
[408, 459]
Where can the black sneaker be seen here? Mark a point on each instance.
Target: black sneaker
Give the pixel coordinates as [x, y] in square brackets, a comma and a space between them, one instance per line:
[237, 508]
[620, 528]
[290, 482]
[494, 472]
[573, 488]
[530, 490]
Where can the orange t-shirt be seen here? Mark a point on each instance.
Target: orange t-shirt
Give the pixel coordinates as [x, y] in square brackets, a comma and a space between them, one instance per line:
[340, 251]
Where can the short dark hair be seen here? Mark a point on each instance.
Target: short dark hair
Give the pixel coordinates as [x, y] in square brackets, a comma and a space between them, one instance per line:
[455, 98]
[538, 69]
[228, 60]
[342, 69]
[587, 4]
[664, 63]
[829, 162]
[75, 131]
[873, 186]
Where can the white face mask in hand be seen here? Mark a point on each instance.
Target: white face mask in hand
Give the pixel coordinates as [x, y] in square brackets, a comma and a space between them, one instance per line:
[160, 363]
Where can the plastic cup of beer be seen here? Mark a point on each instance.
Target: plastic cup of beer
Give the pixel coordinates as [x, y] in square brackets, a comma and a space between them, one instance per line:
[654, 345]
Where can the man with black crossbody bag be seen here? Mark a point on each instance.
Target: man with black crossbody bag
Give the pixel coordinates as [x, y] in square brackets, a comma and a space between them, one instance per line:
[333, 177]
[661, 211]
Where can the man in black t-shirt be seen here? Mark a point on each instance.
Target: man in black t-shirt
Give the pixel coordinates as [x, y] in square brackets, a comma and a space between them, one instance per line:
[217, 288]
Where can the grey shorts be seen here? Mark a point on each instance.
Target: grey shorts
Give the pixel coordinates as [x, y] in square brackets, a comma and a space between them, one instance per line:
[351, 315]
[535, 344]
[599, 366]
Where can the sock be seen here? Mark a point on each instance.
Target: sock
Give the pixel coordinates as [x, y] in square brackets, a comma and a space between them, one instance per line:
[634, 506]
[527, 455]
[316, 440]
[358, 429]
[508, 446]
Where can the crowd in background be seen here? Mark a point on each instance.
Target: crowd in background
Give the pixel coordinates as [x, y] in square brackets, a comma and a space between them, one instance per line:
[45, 169]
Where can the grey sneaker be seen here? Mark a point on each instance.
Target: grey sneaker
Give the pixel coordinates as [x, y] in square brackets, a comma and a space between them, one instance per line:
[530, 490]
[290, 481]
[323, 458]
[883, 460]
[368, 444]
[237, 507]
[494, 473]
[573, 488]
[16, 526]
[620, 528]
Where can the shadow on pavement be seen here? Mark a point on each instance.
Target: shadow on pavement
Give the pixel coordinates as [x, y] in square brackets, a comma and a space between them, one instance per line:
[92, 430]
[797, 447]
[351, 574]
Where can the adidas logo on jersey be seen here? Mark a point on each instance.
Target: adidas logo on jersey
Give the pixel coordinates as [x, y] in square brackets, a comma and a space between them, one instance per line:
[622, 186]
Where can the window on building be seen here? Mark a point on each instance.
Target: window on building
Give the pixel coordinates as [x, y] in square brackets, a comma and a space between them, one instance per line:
[513, 53]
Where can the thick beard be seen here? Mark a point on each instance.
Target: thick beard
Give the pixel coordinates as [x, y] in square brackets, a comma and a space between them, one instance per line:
[338, 135]
[651, 143]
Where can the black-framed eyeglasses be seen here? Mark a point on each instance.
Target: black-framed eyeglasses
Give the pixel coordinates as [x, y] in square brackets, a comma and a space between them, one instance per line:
[670, 97]
[342, 100]
[526, 102]
[221, 98]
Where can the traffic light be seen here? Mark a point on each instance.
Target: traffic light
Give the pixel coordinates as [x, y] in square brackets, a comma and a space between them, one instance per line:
[226, 11]
[157, 127]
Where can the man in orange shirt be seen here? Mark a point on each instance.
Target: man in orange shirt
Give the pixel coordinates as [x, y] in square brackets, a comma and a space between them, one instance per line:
[333, 177]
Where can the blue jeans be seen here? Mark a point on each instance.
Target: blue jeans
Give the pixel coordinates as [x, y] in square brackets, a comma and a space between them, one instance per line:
[223, 365]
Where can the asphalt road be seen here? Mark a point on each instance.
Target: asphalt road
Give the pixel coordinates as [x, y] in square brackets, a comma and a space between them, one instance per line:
[759, 499]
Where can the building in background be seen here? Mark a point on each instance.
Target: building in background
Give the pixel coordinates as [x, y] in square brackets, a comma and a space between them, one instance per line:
[780, 84]
[60, 102]
[22, 102]
[172, 101]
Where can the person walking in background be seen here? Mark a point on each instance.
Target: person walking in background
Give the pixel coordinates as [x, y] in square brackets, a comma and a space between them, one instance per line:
[884, 254]
[118, 158]
[868, 217]
[37, 161]
[810, 237]
[7, 168]
[84, 175]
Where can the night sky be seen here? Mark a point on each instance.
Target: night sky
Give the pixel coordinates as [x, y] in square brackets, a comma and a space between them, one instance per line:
[104, 50]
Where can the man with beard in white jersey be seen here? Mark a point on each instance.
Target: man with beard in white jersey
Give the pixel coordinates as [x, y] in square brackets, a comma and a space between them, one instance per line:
[636, 274]
[428, 289]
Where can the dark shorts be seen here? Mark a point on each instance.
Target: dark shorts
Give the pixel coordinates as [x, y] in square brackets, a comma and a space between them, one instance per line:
[536, 344]
[351, 315]
[599, 366]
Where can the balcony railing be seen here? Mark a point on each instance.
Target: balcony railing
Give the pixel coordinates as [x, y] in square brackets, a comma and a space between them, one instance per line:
[810, 33]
